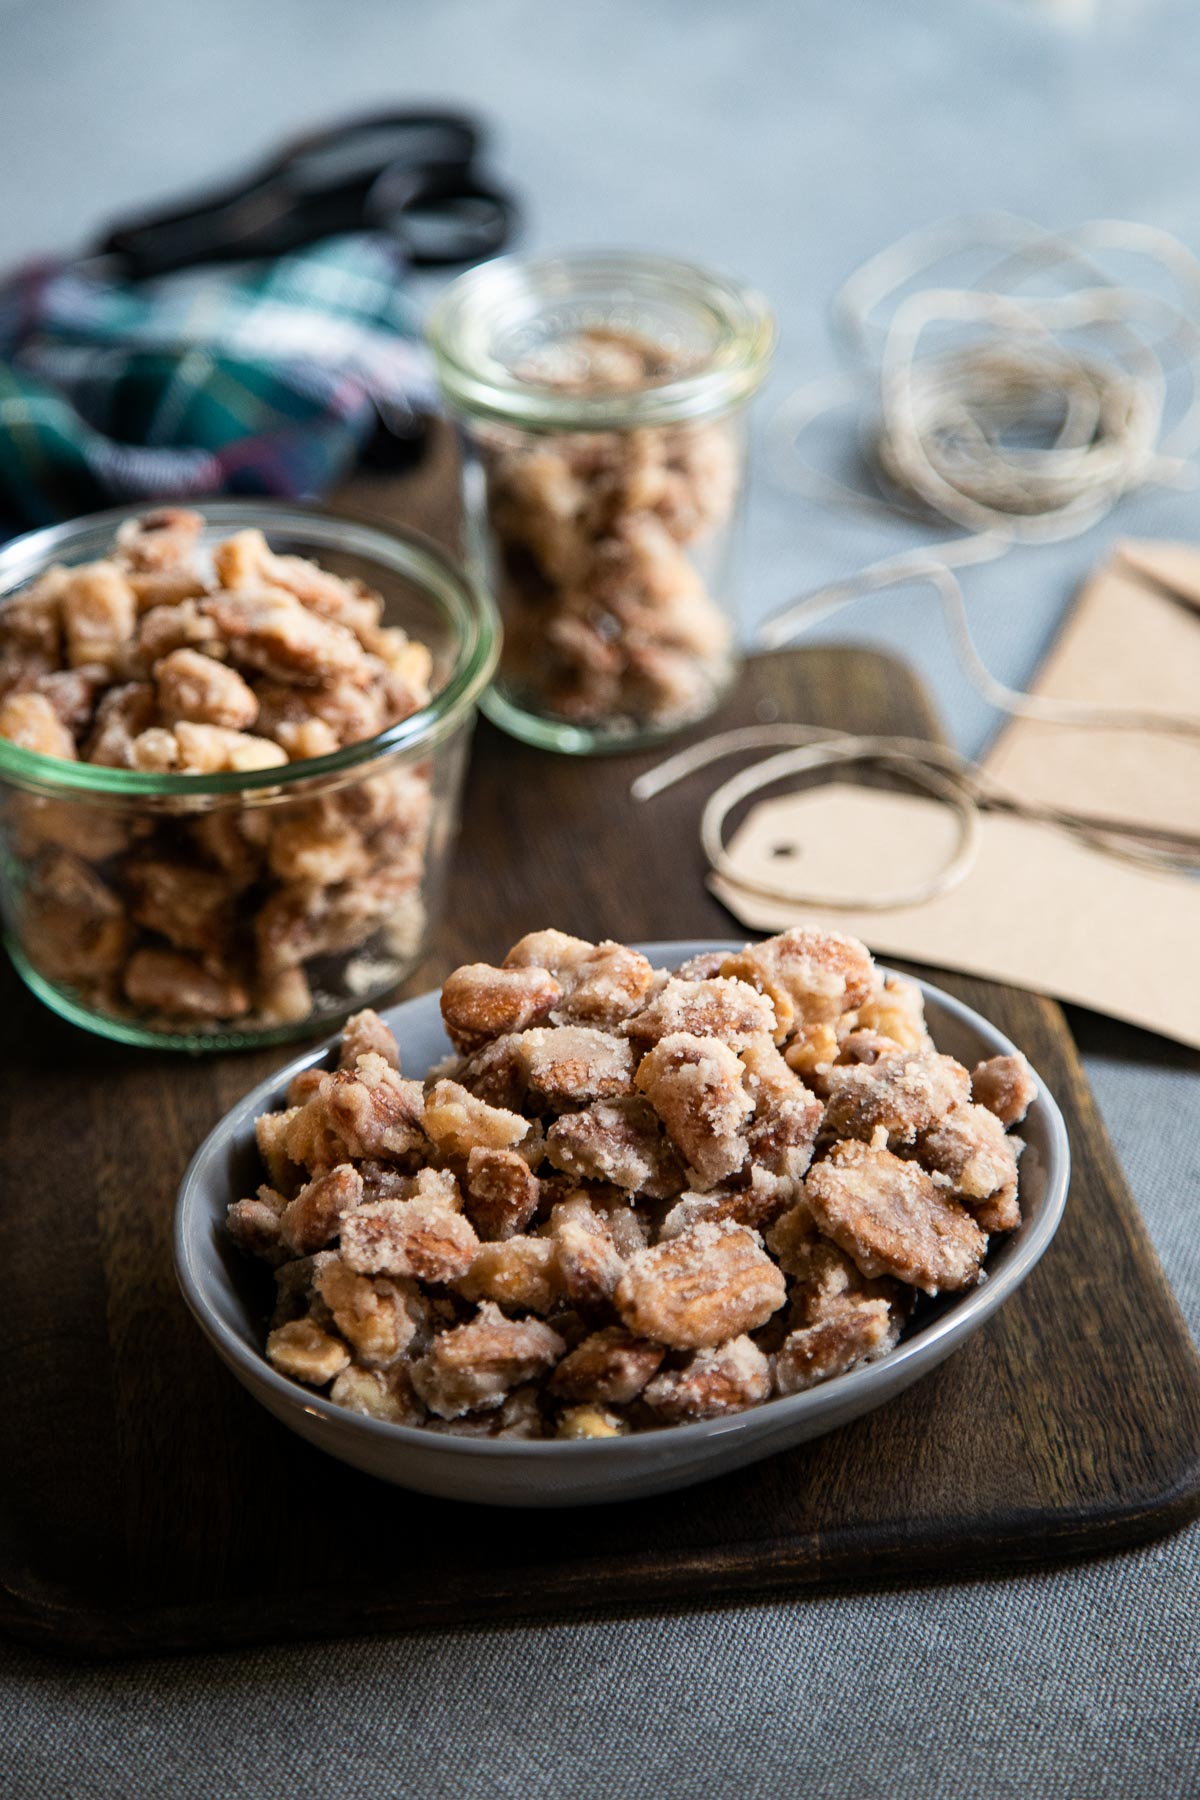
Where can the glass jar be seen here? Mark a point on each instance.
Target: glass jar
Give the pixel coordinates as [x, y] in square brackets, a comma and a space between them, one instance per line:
[602, 403]
[212, 911]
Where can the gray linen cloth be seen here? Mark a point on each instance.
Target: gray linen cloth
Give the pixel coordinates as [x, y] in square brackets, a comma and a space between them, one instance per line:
[785, 142]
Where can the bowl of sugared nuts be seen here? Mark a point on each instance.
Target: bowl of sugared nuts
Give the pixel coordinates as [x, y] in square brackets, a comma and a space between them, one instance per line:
[600, 1221]
[231, 747]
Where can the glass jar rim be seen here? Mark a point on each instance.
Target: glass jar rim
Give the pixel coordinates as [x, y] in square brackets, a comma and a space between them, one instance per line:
[410, 554]
[479, 384]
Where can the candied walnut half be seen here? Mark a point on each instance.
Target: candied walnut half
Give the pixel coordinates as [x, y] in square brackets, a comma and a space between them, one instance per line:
[786, 1120]
[422, 1237]
[611, 1367]
[853, 1333]
[270, 630]
[520, 1272]
[374, 1109]
[812, 976]
[905, 1094]
[254, 1225]
[473, 1367]
[572, 1065]
[970, 1147]
[480, 1002]
[1005, 1085]
[589, 1263]
[695, 1086]
[711, 1283]
[502, 1192]
[193, 908]
[386, 1394]
[302, 1350]
[727, 1378]
[620, 1141]
[824, 1278]
[457, 1123]
[892, 1219]
[365, 1033]
[197, 687]
[378, 1318]
[602, 983]
[30, 722]
[731, 1010]
[314, 1217]
[99, 612]
[166, 981]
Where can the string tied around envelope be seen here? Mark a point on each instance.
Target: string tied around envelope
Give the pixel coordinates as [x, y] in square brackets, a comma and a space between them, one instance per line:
[1015, 417]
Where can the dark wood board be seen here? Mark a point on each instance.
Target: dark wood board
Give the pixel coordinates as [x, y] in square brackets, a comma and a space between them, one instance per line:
[149, 1504]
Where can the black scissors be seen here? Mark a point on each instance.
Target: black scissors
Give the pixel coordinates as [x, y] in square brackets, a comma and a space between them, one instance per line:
[412, 175]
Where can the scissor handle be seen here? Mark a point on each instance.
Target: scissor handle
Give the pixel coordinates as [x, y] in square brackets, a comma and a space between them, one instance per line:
[321, 184]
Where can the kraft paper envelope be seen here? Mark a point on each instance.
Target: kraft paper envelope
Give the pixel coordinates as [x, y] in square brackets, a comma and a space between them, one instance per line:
[1039, 909]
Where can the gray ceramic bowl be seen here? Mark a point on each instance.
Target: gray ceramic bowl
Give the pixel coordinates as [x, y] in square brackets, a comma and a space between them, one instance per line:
[225, 1292]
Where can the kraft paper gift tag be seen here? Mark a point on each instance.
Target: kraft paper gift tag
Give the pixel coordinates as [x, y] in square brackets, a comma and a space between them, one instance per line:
[1038, 909]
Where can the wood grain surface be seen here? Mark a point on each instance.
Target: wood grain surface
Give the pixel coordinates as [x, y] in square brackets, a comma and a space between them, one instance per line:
[149, 1504]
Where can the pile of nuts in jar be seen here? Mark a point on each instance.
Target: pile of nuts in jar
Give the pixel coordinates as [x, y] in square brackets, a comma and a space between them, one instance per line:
[168, 660]
[606, 617]
[634, 1197]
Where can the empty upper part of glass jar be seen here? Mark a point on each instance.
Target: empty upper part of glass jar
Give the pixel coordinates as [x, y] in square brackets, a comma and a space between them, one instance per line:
[593, 342]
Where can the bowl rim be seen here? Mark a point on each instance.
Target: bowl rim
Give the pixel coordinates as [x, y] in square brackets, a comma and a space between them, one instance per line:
[833, 1396]
[463, 601]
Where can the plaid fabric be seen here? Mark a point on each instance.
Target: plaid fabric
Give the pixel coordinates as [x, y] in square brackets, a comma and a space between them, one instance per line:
[262, 379]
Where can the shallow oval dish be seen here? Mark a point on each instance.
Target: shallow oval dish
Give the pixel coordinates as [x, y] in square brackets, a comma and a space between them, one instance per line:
[224, 1291]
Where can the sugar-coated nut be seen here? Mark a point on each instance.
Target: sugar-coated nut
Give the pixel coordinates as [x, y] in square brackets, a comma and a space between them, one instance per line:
[571, 1065]
[1005, 1085]
[421, 1237]
[30, 722]
[521, 1273]
[99, 612]
[269, 630]
[502, 1192]
[695, 1086]
[480, 1002]
[193, 908]
[302, 1350]
[365, 1033]
[582, 1422]
[892, 1219]
[314, 1217]
[456, 1123]
[215, 750]
[312, 846]
[284, 998]
[385, 1394]
[728, 1009]
[856, 1332]
[379, 1318]
[620, 1141]
[374, 1109]
[605, 986]
[589, 1263]
[254, 1225]
[168, 982]
[197, 687]
[473, 1366]
[611, 1367]
[812, 976]
[711, 1283]
[271, 1136]
[970, 1147]
[905, 1094]
[727, 1378]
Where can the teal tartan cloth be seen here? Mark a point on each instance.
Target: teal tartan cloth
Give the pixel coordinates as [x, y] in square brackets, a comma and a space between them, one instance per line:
[265, 378]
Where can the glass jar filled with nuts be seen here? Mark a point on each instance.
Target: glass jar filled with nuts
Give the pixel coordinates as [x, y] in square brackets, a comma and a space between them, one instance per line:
[602, 400]
[231, 749]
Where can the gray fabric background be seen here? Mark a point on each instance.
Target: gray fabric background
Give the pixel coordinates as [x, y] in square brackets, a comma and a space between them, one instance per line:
[783, 141]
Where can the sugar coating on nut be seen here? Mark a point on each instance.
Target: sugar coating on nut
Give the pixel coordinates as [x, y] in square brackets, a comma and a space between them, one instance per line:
[812, 976]
[711, 1283]
[726, 1378]
[891, 1218]
[904, 1094]
[695, 1086]
[1005, 1085]
[473, 1366]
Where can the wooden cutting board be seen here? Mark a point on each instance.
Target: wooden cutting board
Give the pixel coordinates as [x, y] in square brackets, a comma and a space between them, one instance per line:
[149, 1504]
